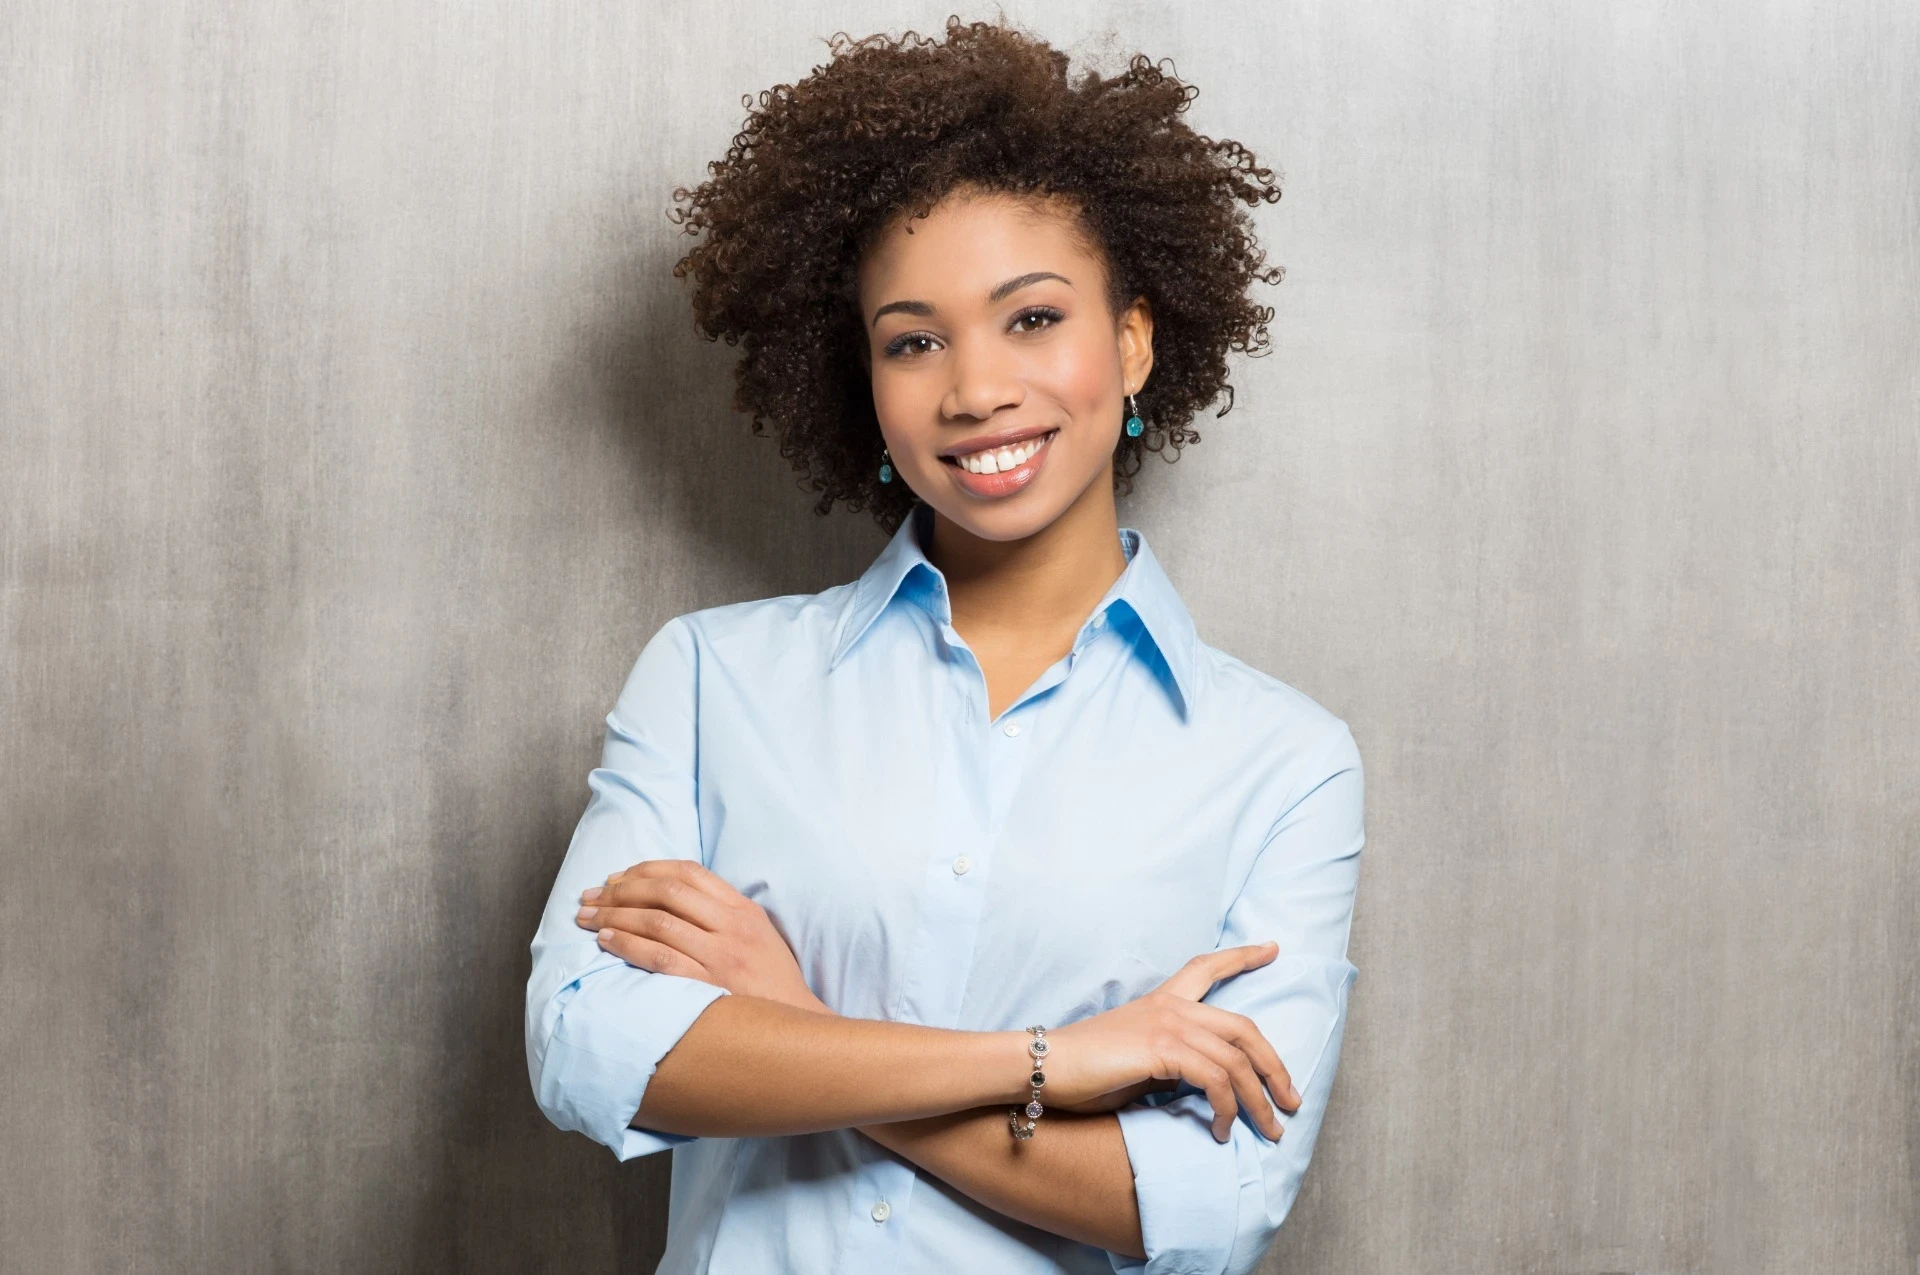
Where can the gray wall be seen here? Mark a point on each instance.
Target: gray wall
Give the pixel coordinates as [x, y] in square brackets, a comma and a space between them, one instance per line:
[353, 439]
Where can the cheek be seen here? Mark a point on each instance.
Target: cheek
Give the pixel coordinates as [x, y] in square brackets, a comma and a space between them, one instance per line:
[903, 403]
[1084, 376]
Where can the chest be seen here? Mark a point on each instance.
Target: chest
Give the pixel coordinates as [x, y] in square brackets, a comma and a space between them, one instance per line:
[927, 864]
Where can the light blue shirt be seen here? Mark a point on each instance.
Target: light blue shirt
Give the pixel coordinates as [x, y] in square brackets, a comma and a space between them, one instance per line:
[1147, 799]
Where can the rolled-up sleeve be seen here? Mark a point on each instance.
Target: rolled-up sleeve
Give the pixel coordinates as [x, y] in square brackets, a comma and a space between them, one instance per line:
[1208, 1207]
[597, 1027]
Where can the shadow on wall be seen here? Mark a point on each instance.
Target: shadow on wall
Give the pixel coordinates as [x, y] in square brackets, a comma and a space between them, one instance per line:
[514, 1193]
[663, 394]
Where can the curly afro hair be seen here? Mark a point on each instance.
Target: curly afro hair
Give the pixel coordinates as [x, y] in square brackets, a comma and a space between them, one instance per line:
[887, 128]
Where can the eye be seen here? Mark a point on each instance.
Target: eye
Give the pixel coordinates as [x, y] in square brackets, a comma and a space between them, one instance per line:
[1036, 318]
[909, 344]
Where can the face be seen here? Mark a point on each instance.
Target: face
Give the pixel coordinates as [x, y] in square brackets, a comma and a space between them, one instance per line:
[998, 366]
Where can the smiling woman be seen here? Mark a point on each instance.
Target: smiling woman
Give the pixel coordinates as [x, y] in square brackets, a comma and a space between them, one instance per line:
[868, 918]
[1012, 355]
[864, 148]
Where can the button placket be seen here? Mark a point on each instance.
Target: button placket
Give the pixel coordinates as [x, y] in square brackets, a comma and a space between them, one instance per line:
[1006, 761]
[935, 975]
[886, 1191]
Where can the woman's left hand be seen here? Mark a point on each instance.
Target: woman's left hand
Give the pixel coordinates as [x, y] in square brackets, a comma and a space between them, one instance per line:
[674, 916]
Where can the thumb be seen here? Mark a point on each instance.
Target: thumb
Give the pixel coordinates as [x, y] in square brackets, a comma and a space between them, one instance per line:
[1197, 977]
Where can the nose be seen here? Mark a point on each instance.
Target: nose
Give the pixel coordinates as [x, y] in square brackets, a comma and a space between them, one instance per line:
[983, 383]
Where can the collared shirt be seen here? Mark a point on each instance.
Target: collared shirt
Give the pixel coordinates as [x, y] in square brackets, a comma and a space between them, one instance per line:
[832, 756]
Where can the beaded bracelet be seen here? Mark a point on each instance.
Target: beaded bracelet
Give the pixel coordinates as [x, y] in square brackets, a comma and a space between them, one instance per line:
[1037, 1048]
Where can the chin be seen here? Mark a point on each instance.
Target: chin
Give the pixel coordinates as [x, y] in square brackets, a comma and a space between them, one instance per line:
[1004, 524]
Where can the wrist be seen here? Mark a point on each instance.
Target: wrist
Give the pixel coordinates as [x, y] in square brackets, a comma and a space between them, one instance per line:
[1008, 1068]
[1021, 1120]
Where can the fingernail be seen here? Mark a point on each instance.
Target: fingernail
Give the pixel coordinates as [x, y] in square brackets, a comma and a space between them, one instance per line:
[588, 896]
[605, 936]
[586, 914]
[1293, 1096]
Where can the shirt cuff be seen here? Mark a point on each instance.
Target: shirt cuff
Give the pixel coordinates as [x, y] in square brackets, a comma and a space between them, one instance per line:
[615, 1026]
[1187, 1186]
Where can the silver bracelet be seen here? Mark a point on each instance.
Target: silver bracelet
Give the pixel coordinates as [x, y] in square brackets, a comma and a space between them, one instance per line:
[1037, 1050]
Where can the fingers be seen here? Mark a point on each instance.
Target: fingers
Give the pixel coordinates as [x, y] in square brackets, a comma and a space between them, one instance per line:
[650, 925]
[674, 893]
[1245, 1035]
[1233, 1061]
[1244, 1083]
[648, 955]
[1197, 977]
[690, 871]
[1231, 1078]
[1214, 1080]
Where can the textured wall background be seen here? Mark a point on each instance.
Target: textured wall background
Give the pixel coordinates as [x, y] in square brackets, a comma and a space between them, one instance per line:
[353, 439]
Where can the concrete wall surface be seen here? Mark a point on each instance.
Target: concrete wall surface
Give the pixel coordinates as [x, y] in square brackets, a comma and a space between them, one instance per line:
[354, 437]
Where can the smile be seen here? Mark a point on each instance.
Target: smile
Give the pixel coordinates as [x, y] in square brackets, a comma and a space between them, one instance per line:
[1001, 471]
[1000, 460]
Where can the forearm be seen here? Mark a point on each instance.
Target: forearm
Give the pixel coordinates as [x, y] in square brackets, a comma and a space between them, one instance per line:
[1071, 1178]
[751, 1067]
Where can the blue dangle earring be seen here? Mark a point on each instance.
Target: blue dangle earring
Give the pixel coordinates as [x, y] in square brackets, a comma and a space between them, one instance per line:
[1134, 425]
[886, 466]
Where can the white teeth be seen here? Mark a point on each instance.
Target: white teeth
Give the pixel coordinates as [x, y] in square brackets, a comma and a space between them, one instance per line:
[1000, 460]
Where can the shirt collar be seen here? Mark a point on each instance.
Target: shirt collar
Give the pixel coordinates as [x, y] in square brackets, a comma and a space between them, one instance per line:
[1143, 590]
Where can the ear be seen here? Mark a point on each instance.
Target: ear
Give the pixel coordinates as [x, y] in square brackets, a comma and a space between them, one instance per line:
[1135, 336]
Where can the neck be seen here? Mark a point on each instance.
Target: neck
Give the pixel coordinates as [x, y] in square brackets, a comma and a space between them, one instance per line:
[1037, 585]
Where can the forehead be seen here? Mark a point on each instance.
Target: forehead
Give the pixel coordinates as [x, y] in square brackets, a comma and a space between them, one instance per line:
[971, 242]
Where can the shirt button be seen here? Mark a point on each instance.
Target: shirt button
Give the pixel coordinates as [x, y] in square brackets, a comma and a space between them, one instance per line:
[880, 1211]
[961, 864]
[1012, 729]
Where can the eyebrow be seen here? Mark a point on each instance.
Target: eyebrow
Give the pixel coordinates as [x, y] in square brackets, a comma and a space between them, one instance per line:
[924, 309]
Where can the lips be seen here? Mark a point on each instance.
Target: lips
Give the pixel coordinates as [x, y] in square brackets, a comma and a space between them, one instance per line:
[1003, 482]
[996, 441]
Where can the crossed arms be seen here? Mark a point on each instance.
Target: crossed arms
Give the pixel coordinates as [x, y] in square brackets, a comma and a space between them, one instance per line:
[689, 1018]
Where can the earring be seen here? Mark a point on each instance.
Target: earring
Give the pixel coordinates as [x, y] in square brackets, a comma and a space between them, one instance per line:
[1133, 419]
[886, 466]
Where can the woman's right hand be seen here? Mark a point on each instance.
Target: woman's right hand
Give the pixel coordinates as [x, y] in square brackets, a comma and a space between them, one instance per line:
[1168, 1035]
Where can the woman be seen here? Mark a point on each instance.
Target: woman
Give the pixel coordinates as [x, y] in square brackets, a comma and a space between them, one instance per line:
[973, 915]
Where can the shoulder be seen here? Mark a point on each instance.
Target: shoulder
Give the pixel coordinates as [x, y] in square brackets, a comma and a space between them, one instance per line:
[781, 638]
[1283, 728]
[785, 617]
[758, 631]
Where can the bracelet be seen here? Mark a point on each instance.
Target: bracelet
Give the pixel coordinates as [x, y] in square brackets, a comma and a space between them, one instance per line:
[1037, 1050]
